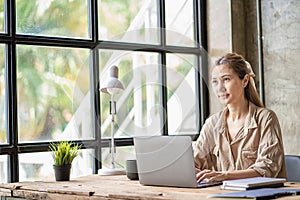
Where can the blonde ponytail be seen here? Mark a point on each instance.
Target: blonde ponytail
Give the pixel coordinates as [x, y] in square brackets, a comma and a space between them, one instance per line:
[251, 93]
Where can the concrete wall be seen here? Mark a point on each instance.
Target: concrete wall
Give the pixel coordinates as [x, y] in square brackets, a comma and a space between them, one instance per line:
[281, 50]
[232, 27]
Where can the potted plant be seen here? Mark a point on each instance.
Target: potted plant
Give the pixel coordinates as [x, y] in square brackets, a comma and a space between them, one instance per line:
[63, 154]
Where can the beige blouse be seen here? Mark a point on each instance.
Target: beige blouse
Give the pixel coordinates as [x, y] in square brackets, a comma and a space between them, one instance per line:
[258, 145]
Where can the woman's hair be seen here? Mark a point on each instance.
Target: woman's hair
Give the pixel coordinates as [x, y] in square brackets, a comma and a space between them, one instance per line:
[239, 65]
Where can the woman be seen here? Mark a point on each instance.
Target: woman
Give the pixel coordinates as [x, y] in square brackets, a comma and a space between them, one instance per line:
[244, 140]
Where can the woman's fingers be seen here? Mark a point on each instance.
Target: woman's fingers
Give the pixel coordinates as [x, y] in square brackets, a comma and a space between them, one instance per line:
[219, 176]
[209, 176]
[202, 174]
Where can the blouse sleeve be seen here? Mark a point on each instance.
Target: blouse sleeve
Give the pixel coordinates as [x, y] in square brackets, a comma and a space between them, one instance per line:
[203, 147]
[270, 158]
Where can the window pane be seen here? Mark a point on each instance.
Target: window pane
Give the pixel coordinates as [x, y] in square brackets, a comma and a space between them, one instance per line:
[137, 106]
[2, 24]
[122, 154]
[181, 94]
[53, 93]
[3, 169]
[53, 18]
[39, 166]
[180, 23]
[128, 21]
[3, 138]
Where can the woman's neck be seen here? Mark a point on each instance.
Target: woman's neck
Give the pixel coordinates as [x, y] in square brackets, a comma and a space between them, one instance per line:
[238, 111]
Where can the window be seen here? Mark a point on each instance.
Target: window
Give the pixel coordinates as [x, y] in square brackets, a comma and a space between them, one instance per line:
[132, 21]
[137, 106]
[180, 18]
[55, 55]
[3, 138]
[39, 165]
[3, 168]
[2, 23]
[52, 18]
[182, 96]
[53, 86]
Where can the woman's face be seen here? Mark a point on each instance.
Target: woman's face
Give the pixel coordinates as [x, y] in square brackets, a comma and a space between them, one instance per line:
[227, 86]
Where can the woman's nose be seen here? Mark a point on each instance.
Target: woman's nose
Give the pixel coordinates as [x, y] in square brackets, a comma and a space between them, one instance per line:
[221, 87]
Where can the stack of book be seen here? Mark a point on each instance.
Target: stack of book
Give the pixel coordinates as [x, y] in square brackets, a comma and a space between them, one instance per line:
[255, 188]
[258, 194]
[252, 183]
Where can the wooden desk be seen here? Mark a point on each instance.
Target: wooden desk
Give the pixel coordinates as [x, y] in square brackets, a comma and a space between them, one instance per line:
[108, 187]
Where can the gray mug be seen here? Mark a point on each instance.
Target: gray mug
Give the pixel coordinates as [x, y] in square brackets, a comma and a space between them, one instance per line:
[131, 170]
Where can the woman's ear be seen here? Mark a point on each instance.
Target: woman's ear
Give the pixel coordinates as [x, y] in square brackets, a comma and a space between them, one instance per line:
[246, 80]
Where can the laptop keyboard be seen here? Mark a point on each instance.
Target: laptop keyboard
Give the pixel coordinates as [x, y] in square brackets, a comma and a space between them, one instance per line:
[203, 184]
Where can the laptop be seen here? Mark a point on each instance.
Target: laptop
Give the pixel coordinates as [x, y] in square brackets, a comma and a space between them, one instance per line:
[167, 161]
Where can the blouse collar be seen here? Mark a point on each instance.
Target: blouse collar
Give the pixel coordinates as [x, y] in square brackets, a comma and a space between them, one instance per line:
[250, 121]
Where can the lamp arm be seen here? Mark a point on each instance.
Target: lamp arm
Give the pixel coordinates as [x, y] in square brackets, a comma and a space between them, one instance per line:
[112, 112]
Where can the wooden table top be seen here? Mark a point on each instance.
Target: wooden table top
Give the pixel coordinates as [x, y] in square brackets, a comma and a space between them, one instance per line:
[109, 187]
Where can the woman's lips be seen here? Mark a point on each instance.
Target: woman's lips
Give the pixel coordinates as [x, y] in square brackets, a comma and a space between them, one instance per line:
[223, 96]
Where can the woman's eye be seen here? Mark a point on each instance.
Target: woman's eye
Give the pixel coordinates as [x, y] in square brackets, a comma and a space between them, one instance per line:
[214, 82]
[226, 79]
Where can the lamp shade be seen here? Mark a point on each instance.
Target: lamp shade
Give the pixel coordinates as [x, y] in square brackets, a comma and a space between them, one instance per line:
[112, 85]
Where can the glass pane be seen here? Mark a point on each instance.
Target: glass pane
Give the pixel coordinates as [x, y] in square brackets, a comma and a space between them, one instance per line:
[3, 138]
[53, 93]
[128, 21]
[53, 18]
[122, 154]
[181, 94]
[39, 166]
[180, 23]
[137, 106]
[3, 168]
[2, 24]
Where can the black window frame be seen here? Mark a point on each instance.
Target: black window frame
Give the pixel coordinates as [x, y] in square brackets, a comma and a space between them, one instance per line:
[11, 40]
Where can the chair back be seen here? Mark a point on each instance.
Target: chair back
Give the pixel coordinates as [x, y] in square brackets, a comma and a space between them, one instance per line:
[292, 163]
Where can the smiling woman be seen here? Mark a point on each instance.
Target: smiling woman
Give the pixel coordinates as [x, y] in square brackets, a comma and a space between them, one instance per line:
[244, 140]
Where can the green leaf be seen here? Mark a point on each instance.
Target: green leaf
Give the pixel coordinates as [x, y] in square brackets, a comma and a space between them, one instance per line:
[64, 152]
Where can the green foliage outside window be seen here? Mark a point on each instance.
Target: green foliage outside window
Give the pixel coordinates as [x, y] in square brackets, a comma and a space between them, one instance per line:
[43, 100]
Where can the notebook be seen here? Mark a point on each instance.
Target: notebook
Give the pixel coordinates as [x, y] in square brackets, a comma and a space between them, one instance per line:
[167, 161]
[252, 183]
[262, 193]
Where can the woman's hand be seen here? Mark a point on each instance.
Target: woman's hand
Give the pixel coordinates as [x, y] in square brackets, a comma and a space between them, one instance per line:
[213, 176]
[209, 175]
